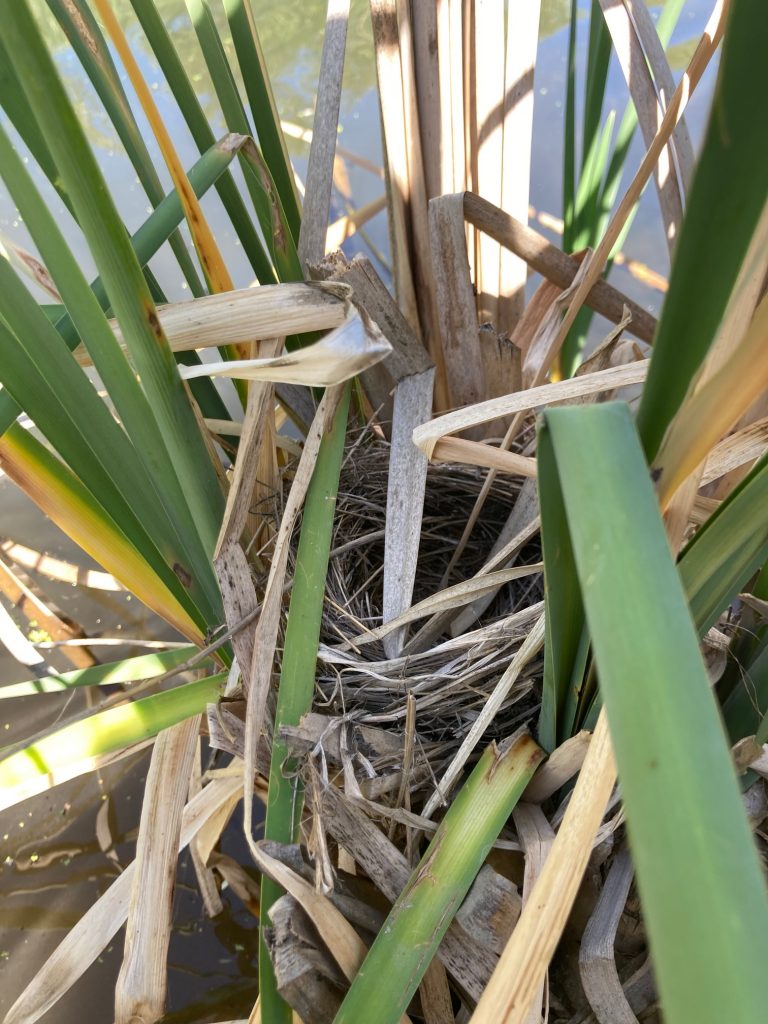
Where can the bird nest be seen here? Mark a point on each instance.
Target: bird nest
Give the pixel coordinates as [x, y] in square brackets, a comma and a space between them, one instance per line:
[450, 661]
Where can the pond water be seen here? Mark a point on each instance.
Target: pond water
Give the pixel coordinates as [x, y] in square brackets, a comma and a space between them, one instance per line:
[60, 851]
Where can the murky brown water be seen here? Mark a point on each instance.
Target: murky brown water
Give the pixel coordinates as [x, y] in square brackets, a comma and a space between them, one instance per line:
[60, 851]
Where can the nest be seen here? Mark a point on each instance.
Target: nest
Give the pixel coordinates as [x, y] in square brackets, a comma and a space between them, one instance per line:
[449, 676]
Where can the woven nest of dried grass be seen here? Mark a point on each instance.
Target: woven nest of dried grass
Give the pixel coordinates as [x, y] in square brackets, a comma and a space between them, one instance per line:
[449, 672]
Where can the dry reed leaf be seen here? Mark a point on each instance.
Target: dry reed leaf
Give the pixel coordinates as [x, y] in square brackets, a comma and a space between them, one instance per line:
[259, 407]
[561, 765]
[205, 880]
[445, 600]
[540, 350]
[265, 637]
[57, 568]
[714, 408]
[103, 920]
[474, 453]
[340, 355]
[523, 964]
[211, 830]
[520, 61]
[250, 314]
[705, 50]
[553, 264]
[597, 962]
[405, 500]
[142, 983]
[232, 568]
[736, 450]
[427, 436]
[703, 508]
[530, 647]
[341, 939]
[642, 78]
[740, 310]
[536, 838]
[317, 196]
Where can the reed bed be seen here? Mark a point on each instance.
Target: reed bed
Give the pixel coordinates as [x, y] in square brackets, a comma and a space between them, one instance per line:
[478, 640]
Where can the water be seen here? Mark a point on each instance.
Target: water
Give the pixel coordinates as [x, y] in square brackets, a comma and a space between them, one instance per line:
[52, 865]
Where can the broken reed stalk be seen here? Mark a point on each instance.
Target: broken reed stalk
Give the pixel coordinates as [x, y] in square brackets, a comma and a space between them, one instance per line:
[297, 677]
[513, 985]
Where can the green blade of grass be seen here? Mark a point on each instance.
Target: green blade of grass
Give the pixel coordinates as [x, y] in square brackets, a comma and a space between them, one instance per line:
[20, 114]
[218, 67]
[408, 939]
[569, 136]
[161, 492]
[126, 671]
[83, 32]
[564, 617]
[730, 547]
[688, 829]
[598, 58]
[258, 177]
[297, 678]
[189, 105]
[591, 178]
[120, 270]
[726, 199]
[106, 731]
[586, 204]
[146, 242]
[272, 216]
[263, 108]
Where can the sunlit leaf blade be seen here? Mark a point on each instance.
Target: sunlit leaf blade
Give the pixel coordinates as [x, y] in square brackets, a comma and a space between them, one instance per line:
[688, 830]
[189, 105]
[83, 32]
[726, 199]
[106, 731]
[143, 666]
